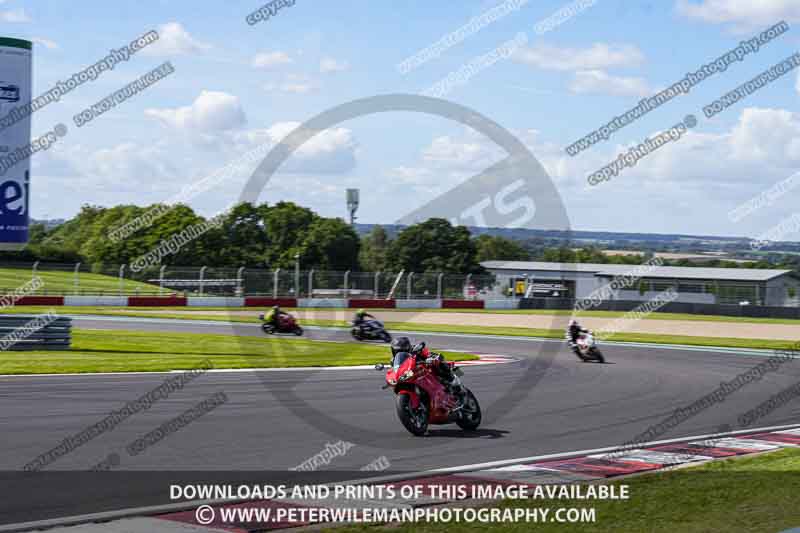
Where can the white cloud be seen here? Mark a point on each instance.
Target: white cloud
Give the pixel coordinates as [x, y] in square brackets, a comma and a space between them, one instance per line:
[470, 153]
[268, 60]
[211, 112]
[667, 191]
[294, 83]
[597, 81]
[597, 56]
[328, 65]
[47, 43]
[14, 16]
[766, 135]
[125, 168]
[173, 40]
[332, 151]
[743, 14]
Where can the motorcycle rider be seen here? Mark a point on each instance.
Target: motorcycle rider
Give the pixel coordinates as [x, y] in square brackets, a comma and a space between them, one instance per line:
[435, 361]
[400, 344]
[574, 332]
[273, 315]
[360, 318]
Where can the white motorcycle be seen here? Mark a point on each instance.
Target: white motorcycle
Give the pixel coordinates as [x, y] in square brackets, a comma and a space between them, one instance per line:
[587, 350]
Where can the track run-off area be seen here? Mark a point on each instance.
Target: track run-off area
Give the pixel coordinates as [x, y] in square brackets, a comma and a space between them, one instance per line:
[544, 401]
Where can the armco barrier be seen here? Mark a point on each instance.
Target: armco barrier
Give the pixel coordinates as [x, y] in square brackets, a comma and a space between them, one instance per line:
[156, 301]
[462, 304]
[371, 304]
[338, 303]
[508, 303]
[55, 335]
[215, 301]
[418, 304]
[262, 301]
[119, 301]
[41, 300]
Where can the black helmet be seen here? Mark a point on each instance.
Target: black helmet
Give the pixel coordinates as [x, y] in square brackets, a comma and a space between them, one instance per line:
[401, 344]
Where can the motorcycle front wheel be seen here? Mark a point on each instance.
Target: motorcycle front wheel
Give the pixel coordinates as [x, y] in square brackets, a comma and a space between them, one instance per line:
[579, 355]
[414, 420]
[597, 356]
[470, 417]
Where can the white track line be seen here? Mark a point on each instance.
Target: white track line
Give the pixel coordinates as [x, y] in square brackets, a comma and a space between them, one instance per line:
[687, 347]
[490, 360]
[183, 506]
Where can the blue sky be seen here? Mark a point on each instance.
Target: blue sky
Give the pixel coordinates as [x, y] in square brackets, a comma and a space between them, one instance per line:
[237, 87]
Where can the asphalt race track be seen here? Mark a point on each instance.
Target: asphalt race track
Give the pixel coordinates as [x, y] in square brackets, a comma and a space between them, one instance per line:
[274, 420]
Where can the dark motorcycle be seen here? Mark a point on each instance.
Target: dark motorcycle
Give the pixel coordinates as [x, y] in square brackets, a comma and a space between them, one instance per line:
[370, 330]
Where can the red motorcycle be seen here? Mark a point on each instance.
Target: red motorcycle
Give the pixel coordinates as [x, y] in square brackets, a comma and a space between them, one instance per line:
[286, 324]
[422, 399]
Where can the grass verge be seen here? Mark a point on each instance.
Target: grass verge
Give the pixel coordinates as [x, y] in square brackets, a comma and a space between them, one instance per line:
[136, 351]
[689, 340]
[63, 282]
[741, 495]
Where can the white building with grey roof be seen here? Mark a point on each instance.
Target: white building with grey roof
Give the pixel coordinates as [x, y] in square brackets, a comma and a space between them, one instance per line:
[754, 286]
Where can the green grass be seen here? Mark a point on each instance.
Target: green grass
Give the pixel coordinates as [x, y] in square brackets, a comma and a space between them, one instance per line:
[749, 494]
[182, 313]
[136, 351]
[63, 282]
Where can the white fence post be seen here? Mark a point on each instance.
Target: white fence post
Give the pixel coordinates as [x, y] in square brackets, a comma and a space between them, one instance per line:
[161, 279]
[408, 285]
[347, 284]
[35, 268]
[77, 281]
[311, 283]
[121, 279]
[202, 276]
[275, 283]
[439, 285]
[395, 285]
[239, 275]
[377, 286]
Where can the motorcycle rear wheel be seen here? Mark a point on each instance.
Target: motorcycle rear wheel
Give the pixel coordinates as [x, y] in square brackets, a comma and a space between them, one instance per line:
[298, 331]
[470, 417]
[415, 422]
[386, 337]
[266, 328]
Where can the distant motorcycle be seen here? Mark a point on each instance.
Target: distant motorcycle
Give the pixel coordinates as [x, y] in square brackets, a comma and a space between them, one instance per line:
[587, 348]
[422, 399]
[286, 324]
[371, 330]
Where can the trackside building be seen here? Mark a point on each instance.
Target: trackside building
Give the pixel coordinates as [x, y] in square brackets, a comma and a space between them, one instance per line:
[535, 279]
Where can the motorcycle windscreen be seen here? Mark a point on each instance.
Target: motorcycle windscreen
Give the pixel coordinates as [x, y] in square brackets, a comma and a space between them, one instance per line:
[399, 359]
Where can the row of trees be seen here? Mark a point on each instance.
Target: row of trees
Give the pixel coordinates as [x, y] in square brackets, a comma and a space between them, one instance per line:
[272, 235]
[259, 235]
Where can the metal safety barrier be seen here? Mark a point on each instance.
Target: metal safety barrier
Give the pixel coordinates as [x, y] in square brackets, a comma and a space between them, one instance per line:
[19, 333]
